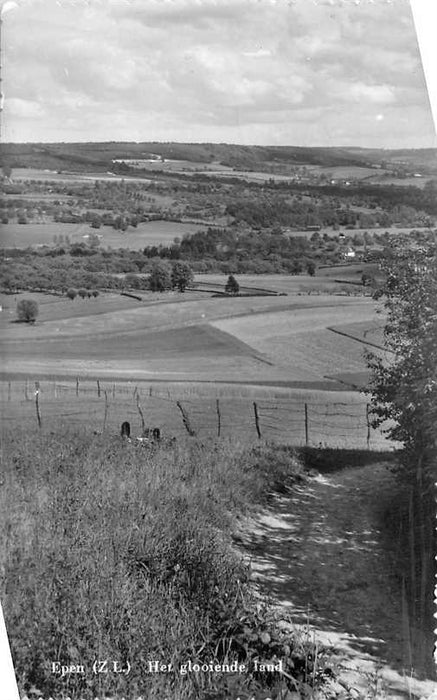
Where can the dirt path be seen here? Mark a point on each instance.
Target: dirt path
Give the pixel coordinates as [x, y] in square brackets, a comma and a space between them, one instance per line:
[323, 551]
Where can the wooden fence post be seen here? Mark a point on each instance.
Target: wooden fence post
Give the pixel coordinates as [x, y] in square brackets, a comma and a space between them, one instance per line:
[106, 411]
[38, 414]
[306, 425]
[368, 425]
[150, 391]
[219, 418]
[98, 389]
[77, 386]
[186, 420]
[9, 391]
[143, 423]
[255, 410]
[26, 395]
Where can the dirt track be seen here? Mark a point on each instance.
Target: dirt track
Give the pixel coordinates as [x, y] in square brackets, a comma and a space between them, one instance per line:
[324, 551]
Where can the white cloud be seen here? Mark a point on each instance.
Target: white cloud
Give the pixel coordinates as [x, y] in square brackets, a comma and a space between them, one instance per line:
[234, 70]
[24, 109]
[378, 94]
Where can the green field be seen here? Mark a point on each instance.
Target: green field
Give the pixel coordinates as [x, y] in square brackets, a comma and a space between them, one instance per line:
[145, 234]
[286, 337]
[277, 351]
[65, 176]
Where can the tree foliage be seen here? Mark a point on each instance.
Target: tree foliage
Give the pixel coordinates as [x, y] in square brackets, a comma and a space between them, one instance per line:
[181, 276]
[27, 310]
[232, 286]
[404, 379]
[160, 276]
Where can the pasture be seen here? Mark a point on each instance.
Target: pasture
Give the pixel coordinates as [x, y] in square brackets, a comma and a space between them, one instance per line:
[277, 351]
[245, 339]
[322, 282]
[345, 172]
[147, 233]
[299, 341]
[66, 176]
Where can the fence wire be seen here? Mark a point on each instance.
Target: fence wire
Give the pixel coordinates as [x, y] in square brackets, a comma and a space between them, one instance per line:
[103, 406]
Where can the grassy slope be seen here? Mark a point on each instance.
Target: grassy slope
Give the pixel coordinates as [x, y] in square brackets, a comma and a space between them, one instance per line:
[86, 156]
[117, 552]
[145, 234]
[230, 359]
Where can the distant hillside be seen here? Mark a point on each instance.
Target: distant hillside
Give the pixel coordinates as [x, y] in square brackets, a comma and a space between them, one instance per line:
[99, 156]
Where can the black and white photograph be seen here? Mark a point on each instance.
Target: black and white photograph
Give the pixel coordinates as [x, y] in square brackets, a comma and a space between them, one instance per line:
[218, 337]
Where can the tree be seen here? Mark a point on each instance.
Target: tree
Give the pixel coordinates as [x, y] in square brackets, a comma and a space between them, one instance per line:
[132, 280]
[404, 390]
[181, 276]
[95, 293]
[93, 239]
[82, 292]
[367, 280]
[311, 268]
[160, 276]
[27, 310]
[71, 293]
[232, 287]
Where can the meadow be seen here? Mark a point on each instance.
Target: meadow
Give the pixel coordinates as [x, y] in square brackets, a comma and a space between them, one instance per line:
[114, 552]
[278, 352]
[147, 233]
[174, 336]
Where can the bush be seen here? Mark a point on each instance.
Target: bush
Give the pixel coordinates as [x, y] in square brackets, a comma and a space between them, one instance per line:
[232, 286]
[27, 310]
[82, 293]
[71, 293]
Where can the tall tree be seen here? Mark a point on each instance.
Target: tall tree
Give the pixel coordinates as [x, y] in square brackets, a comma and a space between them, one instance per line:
[404, 384]
[160, 276]
[27, 310]
[181, 276]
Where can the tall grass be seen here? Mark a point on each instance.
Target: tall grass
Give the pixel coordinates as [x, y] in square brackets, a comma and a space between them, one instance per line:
[122, 553]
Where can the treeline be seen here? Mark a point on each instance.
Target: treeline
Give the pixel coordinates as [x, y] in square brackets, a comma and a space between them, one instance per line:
[55, 270]
[384, 196]
[229, 250]
[226, 251]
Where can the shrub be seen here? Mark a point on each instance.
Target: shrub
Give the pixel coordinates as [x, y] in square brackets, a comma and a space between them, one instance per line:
[27, 310]
[82, 292]
[232, 286]
[71, 293]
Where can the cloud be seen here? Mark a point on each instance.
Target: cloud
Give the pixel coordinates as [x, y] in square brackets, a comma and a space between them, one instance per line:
[234, 70]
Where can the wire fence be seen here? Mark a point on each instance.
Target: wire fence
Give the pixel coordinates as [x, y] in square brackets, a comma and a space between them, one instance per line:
[102, 406]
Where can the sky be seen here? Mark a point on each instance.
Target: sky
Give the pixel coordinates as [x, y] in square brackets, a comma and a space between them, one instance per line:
[267, 72]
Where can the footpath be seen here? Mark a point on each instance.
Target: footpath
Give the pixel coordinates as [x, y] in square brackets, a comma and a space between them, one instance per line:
[322, 551]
